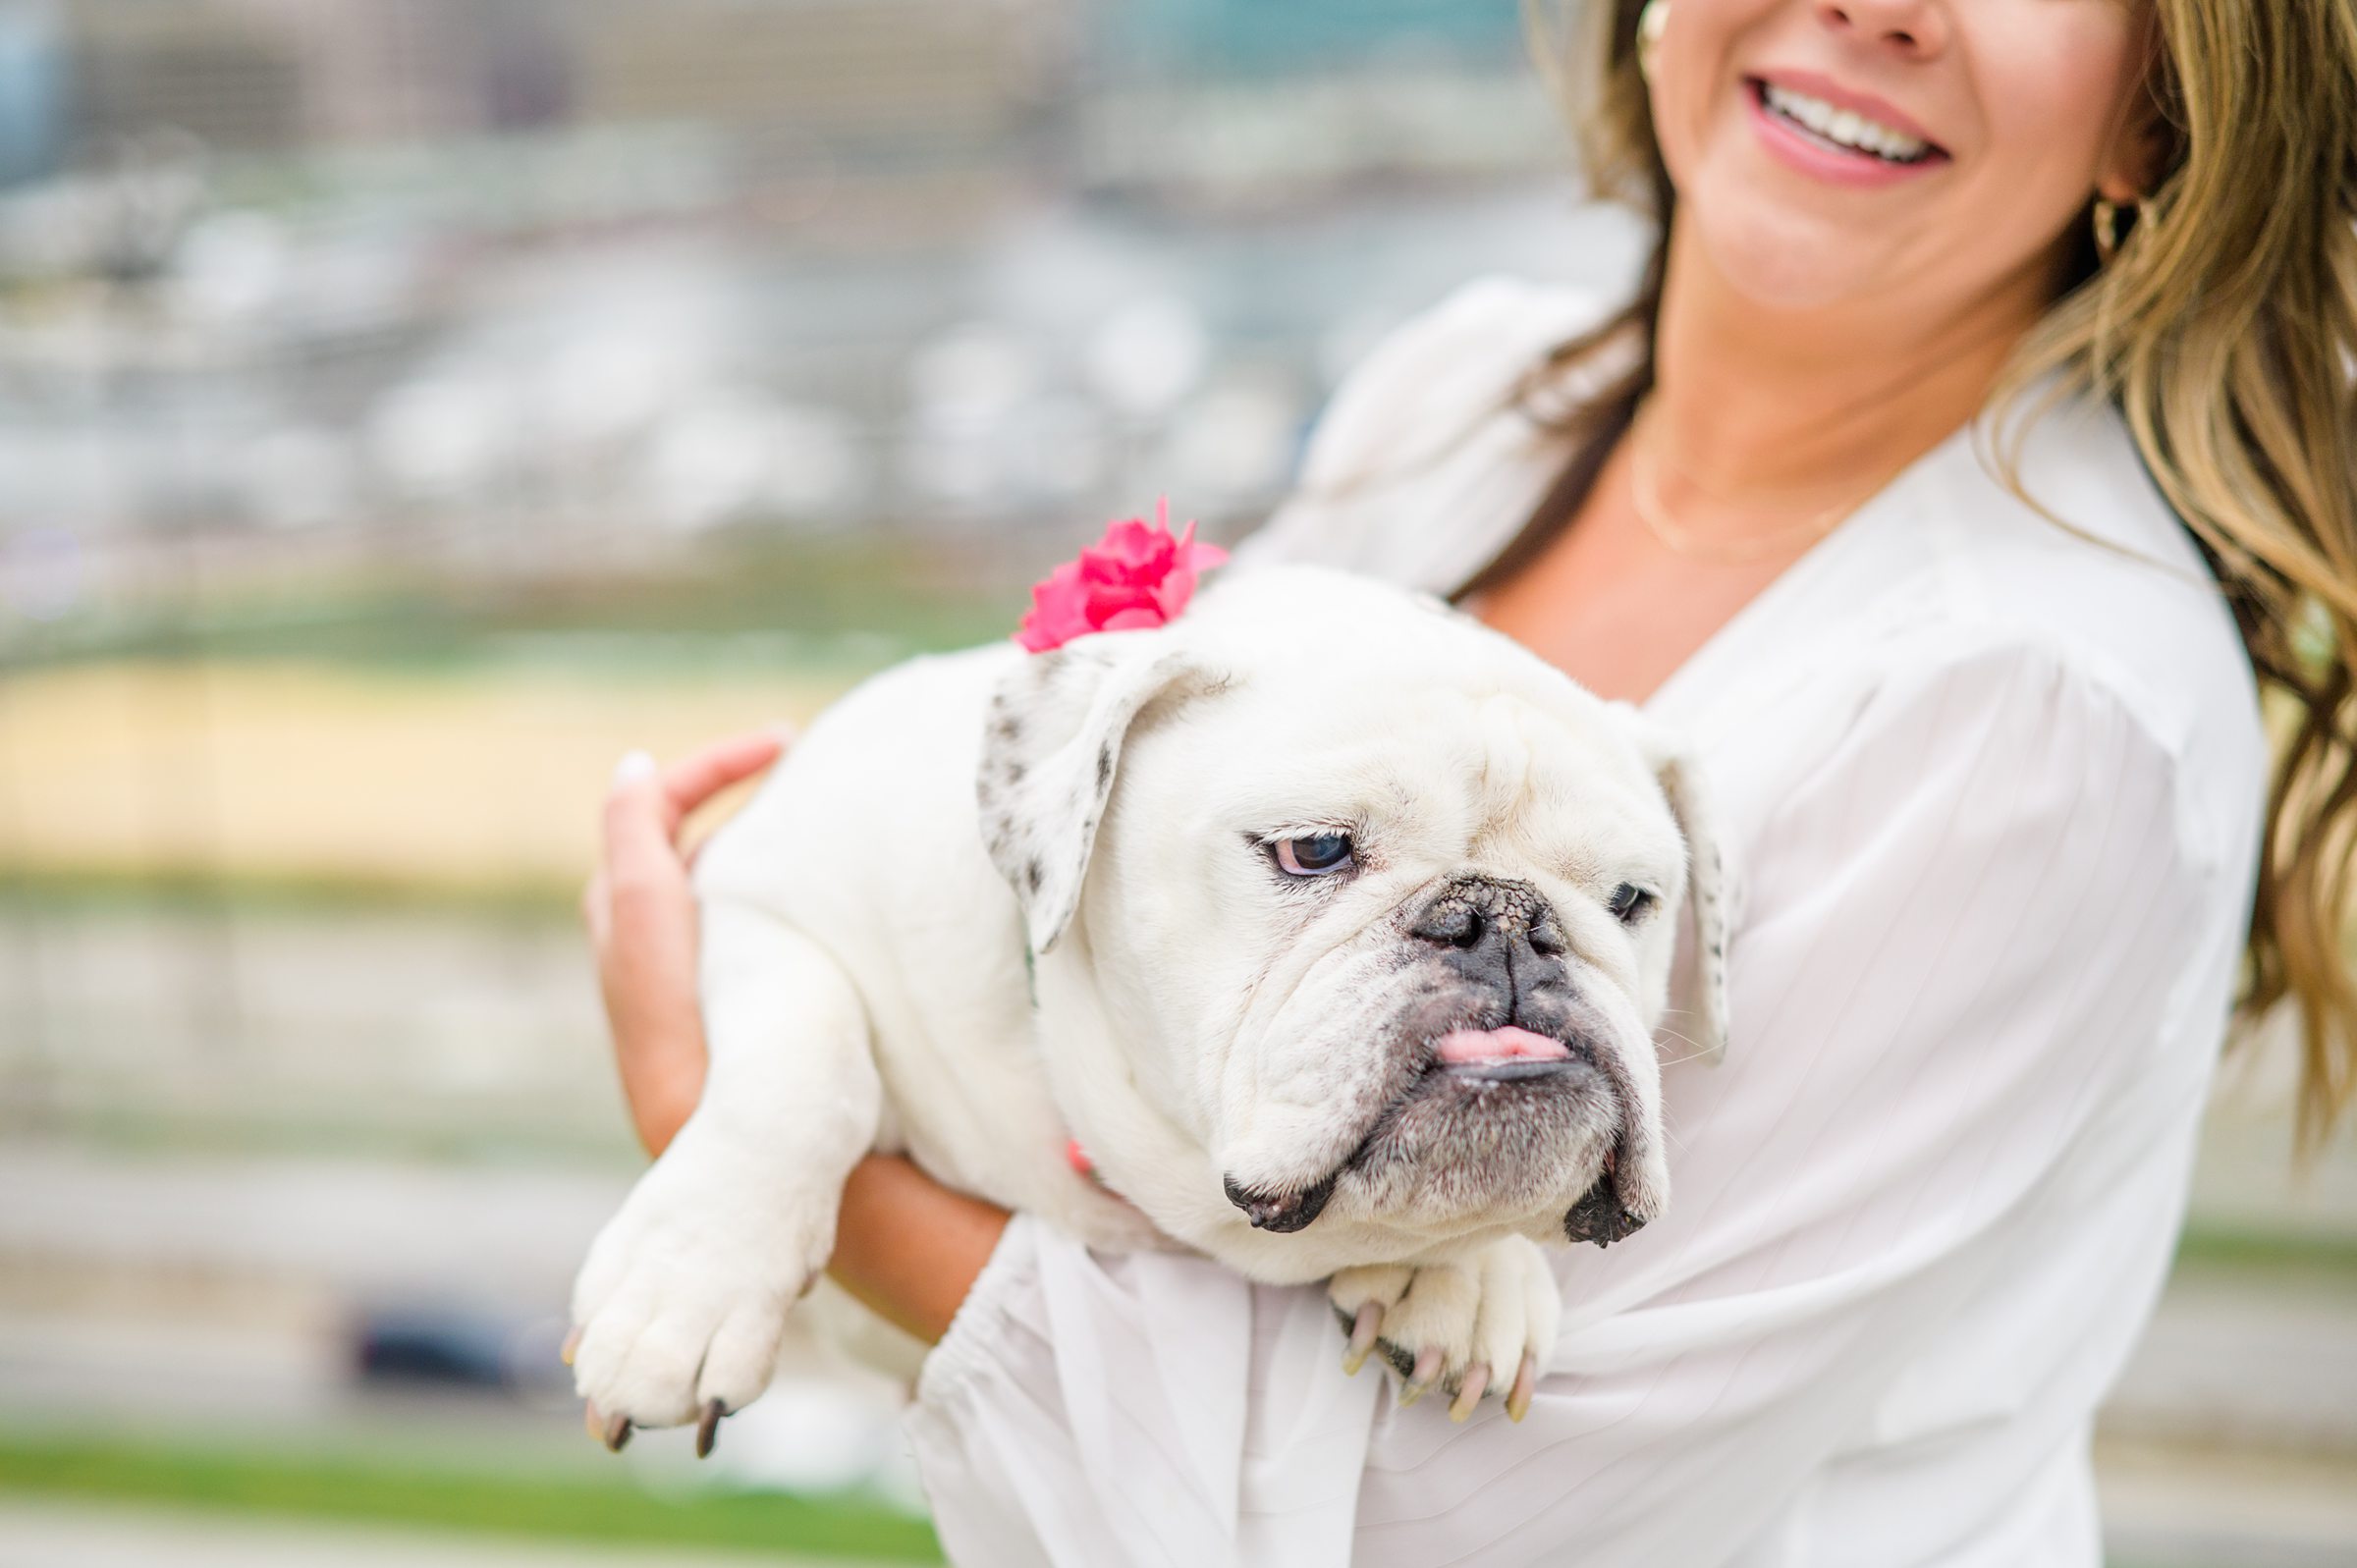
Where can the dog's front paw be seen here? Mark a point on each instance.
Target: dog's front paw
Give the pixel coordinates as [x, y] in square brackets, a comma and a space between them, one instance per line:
[679, 1309]
[1455, 1326]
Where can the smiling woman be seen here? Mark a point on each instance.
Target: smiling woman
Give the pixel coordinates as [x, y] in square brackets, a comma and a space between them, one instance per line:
[1978, 442]
[2154, 202]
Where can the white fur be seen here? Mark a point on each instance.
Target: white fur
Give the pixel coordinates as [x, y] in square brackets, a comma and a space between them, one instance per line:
[1196, 1019]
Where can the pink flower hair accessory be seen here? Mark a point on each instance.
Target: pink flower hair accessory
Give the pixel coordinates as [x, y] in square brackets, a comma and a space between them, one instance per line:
[1136, 577]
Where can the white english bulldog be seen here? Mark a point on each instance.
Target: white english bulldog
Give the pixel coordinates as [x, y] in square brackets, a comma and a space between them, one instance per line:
[1334, 927]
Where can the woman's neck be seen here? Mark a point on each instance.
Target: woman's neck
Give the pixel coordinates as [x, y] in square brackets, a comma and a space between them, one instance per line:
[1792, 407]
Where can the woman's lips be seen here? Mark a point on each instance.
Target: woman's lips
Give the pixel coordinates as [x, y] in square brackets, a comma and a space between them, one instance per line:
[1820, 158]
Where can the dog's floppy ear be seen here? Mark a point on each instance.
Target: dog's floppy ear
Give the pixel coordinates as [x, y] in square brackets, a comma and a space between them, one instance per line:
[1698, 972]
[1050, 749]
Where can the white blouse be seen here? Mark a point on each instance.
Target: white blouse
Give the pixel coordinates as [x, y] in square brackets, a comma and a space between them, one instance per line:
[1993, 794]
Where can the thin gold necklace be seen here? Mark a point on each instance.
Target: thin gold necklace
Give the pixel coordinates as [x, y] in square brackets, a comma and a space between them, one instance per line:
[1645, 494]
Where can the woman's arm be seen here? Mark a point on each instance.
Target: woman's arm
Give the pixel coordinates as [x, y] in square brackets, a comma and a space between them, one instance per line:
[905, 1246]
[640, 911]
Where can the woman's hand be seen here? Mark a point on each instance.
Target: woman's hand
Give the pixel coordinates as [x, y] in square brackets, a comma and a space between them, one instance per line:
[906, 1245]
[641, 916]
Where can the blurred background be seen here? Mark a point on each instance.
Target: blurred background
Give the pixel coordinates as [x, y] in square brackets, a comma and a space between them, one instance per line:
[405, 405]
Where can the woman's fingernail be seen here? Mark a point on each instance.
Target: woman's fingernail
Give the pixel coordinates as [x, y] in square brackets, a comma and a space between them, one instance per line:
[633, 766]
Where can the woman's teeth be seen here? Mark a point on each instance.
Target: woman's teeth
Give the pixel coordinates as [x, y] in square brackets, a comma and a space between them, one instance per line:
[1843, 126]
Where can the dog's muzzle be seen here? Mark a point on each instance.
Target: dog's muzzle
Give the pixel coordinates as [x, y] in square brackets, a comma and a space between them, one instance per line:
[1500, 962]
[1501, 936]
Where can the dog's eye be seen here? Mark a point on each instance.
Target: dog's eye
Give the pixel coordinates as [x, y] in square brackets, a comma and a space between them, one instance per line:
[1318, 856]
[1629, 903]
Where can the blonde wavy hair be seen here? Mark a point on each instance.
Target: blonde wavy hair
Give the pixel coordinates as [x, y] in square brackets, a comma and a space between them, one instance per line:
[2225, 328]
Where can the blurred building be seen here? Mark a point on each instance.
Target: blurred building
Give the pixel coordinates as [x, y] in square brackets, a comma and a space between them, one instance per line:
[1226, 102]
[224, 78]
[32, 89]
[880, 84]
[377, 71]
[440, 281]
[275, 76]
[1228, 37]
[921, 76]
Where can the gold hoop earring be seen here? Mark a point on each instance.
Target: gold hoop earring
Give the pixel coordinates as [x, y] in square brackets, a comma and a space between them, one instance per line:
[1650, 22]
[2106, 228]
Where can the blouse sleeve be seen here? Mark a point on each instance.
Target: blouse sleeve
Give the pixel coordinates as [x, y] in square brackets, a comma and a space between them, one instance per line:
[1966, 940]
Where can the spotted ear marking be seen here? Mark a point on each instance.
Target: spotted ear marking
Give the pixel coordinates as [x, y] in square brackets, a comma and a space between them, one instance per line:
[1051, 749]
[1698, 975]
[1698, 972]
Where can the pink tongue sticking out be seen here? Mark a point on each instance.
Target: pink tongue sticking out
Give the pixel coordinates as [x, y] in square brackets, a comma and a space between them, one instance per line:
[1463, 1046]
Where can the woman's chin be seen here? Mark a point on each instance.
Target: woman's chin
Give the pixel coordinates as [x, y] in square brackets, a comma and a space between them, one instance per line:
[1792, 263]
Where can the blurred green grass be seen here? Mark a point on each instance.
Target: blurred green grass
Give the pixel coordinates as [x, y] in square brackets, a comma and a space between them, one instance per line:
[856, 601]
[351, 1489]
[2208, 1247]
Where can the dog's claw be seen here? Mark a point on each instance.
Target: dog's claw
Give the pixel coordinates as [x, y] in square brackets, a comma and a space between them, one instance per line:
[1419, 1382]
[1526, 1381]
[572, 1342]
[1362, 1338]
[1469, 1390]
[707, 1427]
[617, 1433]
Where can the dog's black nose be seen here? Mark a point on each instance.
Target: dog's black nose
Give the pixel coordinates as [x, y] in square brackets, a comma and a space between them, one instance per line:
[1452, 922]
[1493, 925]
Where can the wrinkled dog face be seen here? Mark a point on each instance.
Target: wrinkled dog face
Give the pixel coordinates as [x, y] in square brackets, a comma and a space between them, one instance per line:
[1377, 910]
[1484, 1076]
